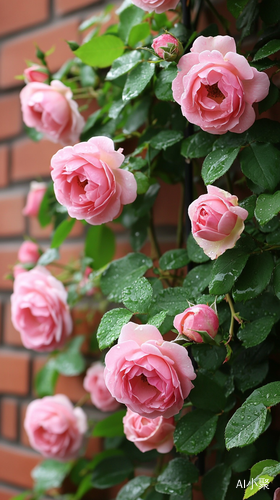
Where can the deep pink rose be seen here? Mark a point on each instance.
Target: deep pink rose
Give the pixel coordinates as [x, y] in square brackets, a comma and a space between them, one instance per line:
[35, 73]
[216, 87]
[276, 494]
[39, 310]
[34, 198]
[167, 47]
[149, 433]
[94, 383]
[51, 110]
[55, 428]
[150, 376]
[217, 221]
[28, 252]
[200, 317]
[89, 183]
[159, 6]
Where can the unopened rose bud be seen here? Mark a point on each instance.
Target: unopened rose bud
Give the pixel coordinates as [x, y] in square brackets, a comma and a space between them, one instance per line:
[35, 73]
[28, 253]
[167, 47]
[34, 198]
[197, 318]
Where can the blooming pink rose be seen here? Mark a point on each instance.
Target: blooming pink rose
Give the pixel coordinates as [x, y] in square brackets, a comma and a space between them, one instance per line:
[217, 221]
[167, 47]
[200, 317]
[18, 269]
[149, 433]
[34, 198]
[150, 376]
[276, 494]
[28, 252]
[89, 183]
[216, 87]
[94, 383]
[35, 73]
[159, 6]
[51, 110]
[39, 310]
[54, 427]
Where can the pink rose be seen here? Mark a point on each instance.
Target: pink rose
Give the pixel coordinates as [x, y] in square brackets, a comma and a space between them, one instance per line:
[51, 110]
[35, 73]
[159, 6]
[28, 252]
[39, 310]
[150, 376]
[149, 433]
[216, 87]
[34, 198]
[217, 221]
[167, 47]
[89, 183]
[18, 269]
[94, 383]
[276, 494]
[200, 317]
[55, 428]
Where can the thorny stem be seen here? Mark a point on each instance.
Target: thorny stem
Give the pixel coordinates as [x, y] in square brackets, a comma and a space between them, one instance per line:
[233, 317]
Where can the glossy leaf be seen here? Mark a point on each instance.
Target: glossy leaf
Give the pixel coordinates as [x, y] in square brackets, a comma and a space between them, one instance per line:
[256, 332]
[216, 482]
[100, 245]
[198, 145]
[226, 270]
[178, 474]
[137, 297]
[123, 64]
[245, 425]
[268, 395]
[111, 471]
[166, 138]
[61, 232]
[138, 33]
[267, 50]
[111, 426]
[254, 277]
[163, 90]
[110, 326]
[195, 431]
[174, 259]
[129, 17]
[50, 474]
[260, 163]
[46, 379]
[48, 257]
[217, 163]
[137, 80]
[197, 279]
[134, 488]
[100, 51]
[267, 206]
[172, 300]
[158, 319]
[195, 252]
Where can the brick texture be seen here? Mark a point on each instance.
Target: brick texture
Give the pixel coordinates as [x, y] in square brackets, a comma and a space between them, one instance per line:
[16, 465]
[9, 418]
[65, 6]
[12, 220]
[14, 372]
[13, 18]
[7, 493]
[31, 160]
[10, 335]
[3, 166]
[10, 123]
[8, 257]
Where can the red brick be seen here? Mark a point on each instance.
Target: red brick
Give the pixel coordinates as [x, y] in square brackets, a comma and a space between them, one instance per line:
[32, 159]
[3, 166]
[14, 53]
[64, 6]
[7, 493]
[12, 220]
[16, 465]
[23, 435]
[36, 231]
[13, 18]
[167, 205]
[10, 335]
[94, 446]
[14, 372]
[11, 123]
[9, 418]
[8, 257]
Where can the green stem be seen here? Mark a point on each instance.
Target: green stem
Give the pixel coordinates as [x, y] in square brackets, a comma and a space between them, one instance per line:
[233, 317]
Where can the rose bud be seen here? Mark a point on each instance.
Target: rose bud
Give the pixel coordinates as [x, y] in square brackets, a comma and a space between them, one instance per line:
[35, 73]
[167, 47]
[28, 252]
[34, 198]
[158, 6]
[217, 221]
[94, 383]
[197, 318]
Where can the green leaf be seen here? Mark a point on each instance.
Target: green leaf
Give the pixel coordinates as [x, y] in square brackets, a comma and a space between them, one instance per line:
[267, 50]
[209, 392]
[137, 80]
[46, 379]
[268, 395]
[209, 357]
[166, 138]
[236, 6]
[163, 90]
[138, 33]
[276, 281]
[195, 252]
[158, 319]
[111, 426]
[241, 459]
[143, 182]
[260, 163]
[129, 17]
[198, 279]
[101, 51]
[198, 145]
[217, 163]
[249, 204]
[270, 99]
[116, 108]
[33, 134]
[100, 245]
[256, 332]
[134, 488]
[247, 18]
[70, 363]
[50, 474]
[48, 256]
[45, 212]
[143, 204]
[264, 130]
[261, 472]
[245, 425]
[110, 326]
[124, 64]
[215, 483]
[137, 297]
[138, 116]
[139, 233]
[178, 474]
[111, 471]
[254, 277]
[267, 206]
[122, 273]
[174, 259]
[172, 300]
[195, 431]
[61, 232]
[226, 270]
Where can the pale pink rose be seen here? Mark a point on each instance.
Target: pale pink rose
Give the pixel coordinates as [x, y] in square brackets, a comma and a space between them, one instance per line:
[217, 221]
[34, 198]
[51, 110]
[216, 87]
[149, 433]
[28, 252]
[35, 73]
[200, 317]
[18, 269]
[55, 428]
[159, 6]
[167, 47]
[150, 376]
[89, 183]
[94, 383]
[39, 310]
[276, 494]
